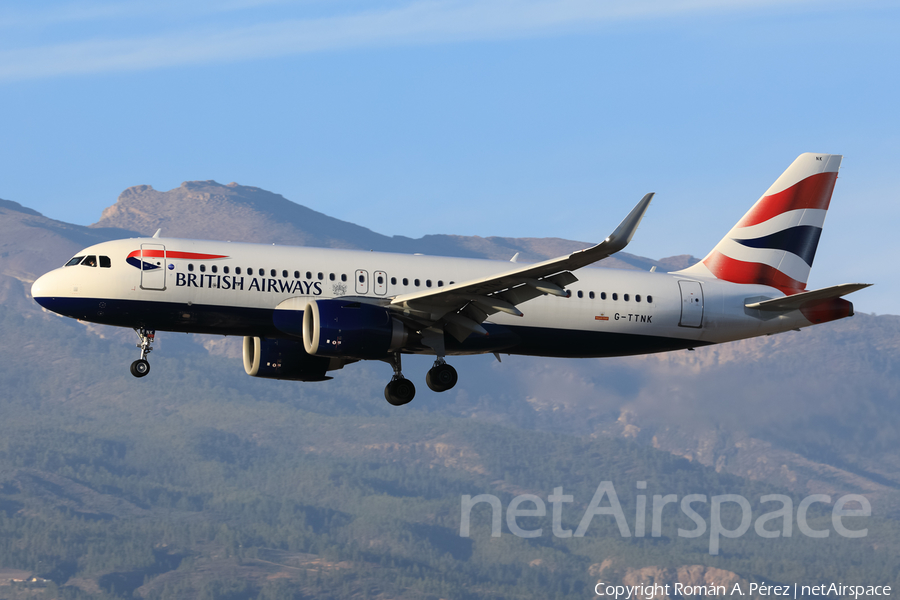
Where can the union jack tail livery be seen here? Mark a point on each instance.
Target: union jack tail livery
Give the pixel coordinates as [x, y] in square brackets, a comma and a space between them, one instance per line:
[775, 243]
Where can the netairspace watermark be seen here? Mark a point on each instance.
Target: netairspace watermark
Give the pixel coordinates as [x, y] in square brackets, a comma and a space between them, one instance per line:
[653, 590]
[605, 503]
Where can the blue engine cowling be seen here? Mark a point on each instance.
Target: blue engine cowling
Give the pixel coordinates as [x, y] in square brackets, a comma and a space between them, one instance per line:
[285, 359]
[345, 328]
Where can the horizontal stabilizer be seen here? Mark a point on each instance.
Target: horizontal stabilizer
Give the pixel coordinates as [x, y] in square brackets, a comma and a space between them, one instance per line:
[797, 301]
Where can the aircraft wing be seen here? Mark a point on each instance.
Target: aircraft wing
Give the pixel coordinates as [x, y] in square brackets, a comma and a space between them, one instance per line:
[462, 307]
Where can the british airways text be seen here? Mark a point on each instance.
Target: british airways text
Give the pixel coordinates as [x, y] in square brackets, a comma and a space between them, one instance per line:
[256, 284]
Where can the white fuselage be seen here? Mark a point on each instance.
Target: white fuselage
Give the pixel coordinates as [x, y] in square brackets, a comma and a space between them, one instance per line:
[233, 288]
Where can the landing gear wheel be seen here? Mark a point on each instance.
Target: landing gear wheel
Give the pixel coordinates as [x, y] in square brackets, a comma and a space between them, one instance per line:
[140, 367]
[399, 391]
[441, 377]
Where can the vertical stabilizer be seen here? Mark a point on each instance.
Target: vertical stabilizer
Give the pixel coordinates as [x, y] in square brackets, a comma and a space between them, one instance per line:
[775, 242]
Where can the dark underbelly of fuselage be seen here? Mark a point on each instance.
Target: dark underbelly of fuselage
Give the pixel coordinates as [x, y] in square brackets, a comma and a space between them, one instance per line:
[244, 321]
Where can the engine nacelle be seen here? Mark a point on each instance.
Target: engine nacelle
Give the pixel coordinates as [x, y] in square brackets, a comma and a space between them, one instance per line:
[345, 328]
[285, 359]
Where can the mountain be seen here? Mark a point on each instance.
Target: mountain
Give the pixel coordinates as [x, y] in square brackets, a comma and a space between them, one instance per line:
[815, 411]
[31, 244]
[683, 402]
[773, 444]
[199, 480]
[210, 210]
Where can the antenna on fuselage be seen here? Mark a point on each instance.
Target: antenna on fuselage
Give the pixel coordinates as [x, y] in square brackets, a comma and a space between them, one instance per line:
[158, 231]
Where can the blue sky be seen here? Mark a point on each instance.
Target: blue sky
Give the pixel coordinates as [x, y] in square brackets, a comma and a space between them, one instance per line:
[492, 117]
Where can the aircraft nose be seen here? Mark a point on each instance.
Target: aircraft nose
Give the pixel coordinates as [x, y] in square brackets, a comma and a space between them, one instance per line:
[44, 289]
[57, 292]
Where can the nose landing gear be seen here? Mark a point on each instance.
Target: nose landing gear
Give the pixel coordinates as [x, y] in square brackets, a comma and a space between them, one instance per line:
[141, 366]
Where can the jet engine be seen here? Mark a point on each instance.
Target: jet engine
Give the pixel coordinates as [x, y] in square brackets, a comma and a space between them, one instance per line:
[346, 328]
[286, 359]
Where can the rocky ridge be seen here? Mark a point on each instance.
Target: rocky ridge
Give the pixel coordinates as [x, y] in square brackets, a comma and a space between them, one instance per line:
[238, 213]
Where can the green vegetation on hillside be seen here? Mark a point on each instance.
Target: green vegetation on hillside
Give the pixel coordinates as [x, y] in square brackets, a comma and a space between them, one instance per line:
[198, 482]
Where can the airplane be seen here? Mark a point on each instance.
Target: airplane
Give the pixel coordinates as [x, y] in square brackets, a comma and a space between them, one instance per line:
[305, 312]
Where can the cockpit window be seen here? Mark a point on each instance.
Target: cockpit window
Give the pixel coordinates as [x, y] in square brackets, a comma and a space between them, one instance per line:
[89, 261]
[105, 262]
[74, 261]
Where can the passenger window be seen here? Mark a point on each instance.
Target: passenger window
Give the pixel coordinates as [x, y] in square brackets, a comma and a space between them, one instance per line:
[284, 274]
[362, 278]
[237, 270]
[650, 299]
[416, 282]
[74, 261]
[225, 270]
[215, 269]
[615, 296]
[308, 275]
[440, 283]
[637, 297]
[321, 276]
[580, 294]
[603, 295]
[90, 261]
[203, 268]
[331, 276]
[393, 281]
[296, 274]
[105, 262]
[273, 273]
[591, 295]
[626, 297]
[190, 266]
[380, 279]
[343, 277]
[427, 283]
[405, 281]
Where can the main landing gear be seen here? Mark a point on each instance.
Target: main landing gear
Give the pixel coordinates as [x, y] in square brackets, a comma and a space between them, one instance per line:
[141, 367]
[400, 390]
[440, 378]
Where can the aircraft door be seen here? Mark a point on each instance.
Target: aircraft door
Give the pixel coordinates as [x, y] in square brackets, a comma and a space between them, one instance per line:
[691, 304]
[362, 281]
[153, 267]
[380, 283]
